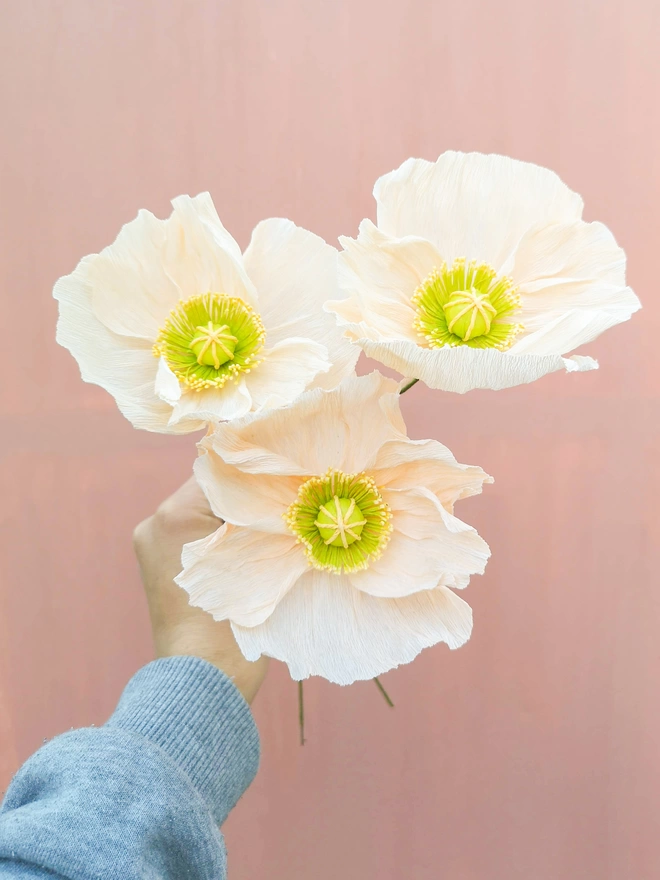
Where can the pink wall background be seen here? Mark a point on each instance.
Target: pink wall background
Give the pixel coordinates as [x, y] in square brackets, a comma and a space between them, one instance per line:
[534, 752]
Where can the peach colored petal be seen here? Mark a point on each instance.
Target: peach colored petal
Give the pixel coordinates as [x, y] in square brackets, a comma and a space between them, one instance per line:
[409, 464]
[240, 575]
[321, 430]
[295, 272]
[428, 547]
[254, 500]
[324, 626]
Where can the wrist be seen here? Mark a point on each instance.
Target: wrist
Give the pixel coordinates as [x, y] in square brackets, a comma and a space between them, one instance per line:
[195, 714]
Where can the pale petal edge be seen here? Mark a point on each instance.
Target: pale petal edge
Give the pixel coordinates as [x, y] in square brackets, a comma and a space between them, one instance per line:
[464, 369]
[326, 627]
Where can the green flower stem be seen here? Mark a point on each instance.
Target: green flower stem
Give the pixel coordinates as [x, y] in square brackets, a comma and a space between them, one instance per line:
[408, 385]
[301, 713]
[381, 688]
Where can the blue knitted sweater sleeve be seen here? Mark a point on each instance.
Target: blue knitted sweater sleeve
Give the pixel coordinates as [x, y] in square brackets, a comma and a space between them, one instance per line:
[142, 796]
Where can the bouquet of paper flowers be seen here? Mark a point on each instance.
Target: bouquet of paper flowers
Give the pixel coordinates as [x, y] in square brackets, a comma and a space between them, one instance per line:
[340, 553]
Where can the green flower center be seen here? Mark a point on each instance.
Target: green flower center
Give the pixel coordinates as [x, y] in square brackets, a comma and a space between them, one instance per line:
[214, 345]
[342, 521]
[467, 304]
[210, 339]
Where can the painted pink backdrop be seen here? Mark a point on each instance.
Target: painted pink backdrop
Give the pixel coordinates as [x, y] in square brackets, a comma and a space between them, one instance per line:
[534, 752]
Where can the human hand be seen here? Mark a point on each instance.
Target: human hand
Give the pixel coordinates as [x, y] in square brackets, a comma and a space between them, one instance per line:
[179, 628]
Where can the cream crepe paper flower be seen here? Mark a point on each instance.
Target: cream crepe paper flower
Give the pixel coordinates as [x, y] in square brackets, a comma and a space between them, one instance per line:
[181, 328]
[340, 553]
[480, 274]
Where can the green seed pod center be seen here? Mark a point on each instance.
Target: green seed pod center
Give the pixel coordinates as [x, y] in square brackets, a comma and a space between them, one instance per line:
[340, 522]
[466, 304]
[214, 344]
[210, 339]
[469, 314]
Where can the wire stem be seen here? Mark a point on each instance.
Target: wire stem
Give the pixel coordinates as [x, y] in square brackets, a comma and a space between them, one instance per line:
[301, 713]
[408, 385]
[381, 688]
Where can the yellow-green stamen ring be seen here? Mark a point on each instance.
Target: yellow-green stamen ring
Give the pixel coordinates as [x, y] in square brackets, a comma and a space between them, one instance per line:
[210, 339]
[467, 304]
[341, 520]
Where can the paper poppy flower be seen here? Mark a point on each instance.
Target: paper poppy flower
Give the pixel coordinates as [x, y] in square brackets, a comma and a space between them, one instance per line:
[182, 329]
[340, 552]
[480, 274]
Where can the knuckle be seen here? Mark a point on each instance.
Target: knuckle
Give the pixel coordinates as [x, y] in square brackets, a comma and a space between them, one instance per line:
[168, 517]
[141, 534]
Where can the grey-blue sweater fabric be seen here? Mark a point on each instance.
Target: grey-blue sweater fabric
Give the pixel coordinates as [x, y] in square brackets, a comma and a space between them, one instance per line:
[144, 795]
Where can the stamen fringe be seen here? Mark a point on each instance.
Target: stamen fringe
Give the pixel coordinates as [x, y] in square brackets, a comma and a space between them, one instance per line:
[494, 298]
[181, 331]
[302, 519]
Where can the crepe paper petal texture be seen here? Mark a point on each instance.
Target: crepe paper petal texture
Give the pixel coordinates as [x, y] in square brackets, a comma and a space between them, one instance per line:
[182, 329]
[480, 273]
[324, 626]
[340, 549]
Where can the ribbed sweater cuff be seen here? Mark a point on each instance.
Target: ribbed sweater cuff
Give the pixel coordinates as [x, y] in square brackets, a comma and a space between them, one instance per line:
[195, 714]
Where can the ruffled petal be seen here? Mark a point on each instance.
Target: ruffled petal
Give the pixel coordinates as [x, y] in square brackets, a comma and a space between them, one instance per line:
[167, 385]
[472, 205]
[254, 500]
[131, 292]
[125, 367]
[381, 274]
[462, 369]
[240, 575]
[409, 464]
[287, 369]
[571, 266]
[563, 333]
[201, 256]
[295, 272]
[324, 626]
[203, 207]
[321, 430]
[232, 401]
[429, 547]
[152, 264]
[519, 218]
